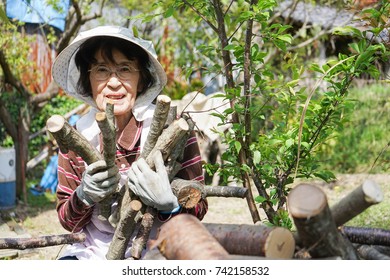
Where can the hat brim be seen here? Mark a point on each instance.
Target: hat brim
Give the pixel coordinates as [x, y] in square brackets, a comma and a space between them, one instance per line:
[66, 74]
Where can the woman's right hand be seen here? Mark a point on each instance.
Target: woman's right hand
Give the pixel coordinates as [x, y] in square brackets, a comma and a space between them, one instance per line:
[98, 182]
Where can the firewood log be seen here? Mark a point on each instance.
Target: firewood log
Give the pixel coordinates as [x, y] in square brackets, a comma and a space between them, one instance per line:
[317, 230]
[160, 116]
[254, 240]
[368, 236]
[159, 139]
[106, 123]
[189, 193]
[366, 195]
[368, 252]
[68, 138]
[385, 250]
[41, 241]
[184, 237]
[126, 224]
[143, 233]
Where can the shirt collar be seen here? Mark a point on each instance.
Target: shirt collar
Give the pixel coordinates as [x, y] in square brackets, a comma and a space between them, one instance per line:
[130, 134]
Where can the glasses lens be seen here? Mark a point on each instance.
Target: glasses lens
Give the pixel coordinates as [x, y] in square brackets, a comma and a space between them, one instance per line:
[125, 72]
[101, 72]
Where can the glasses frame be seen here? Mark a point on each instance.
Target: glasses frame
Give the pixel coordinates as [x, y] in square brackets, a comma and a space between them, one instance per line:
[110, 71]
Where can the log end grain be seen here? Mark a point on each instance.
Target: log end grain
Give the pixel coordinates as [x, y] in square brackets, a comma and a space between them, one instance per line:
[372, 191]
[164, 99]
[306, 200]
[280, 244]
[100, 116]
[189, 197]
[55, 123]
[182, 125]
[135, 205]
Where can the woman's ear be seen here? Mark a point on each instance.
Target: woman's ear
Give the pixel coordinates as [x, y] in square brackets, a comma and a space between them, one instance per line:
[140, 86]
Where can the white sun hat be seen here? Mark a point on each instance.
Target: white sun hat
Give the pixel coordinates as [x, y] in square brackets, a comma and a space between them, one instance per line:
[66, 74]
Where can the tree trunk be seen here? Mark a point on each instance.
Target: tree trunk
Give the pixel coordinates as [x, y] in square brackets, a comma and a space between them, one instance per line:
[21, 149]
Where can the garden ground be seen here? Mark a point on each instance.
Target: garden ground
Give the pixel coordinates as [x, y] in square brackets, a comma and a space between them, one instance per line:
[28, 222]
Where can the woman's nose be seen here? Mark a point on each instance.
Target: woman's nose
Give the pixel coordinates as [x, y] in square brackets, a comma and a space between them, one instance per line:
[114, 81]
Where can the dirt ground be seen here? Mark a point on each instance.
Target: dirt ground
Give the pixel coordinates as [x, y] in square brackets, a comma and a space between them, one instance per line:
[221, 210]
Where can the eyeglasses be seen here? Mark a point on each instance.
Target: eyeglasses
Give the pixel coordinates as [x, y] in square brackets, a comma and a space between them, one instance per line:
[103, 72]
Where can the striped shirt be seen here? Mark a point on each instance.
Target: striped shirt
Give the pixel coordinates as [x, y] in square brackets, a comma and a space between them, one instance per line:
[74, 215]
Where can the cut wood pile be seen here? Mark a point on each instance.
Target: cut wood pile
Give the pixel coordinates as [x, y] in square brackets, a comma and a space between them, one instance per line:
[320, 231]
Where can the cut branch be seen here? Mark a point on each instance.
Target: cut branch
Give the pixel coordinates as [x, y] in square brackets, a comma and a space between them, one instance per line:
[158, 122]
[189, 192]
[42, 241]
[139, 243]
[119, 243]
[315, 225]
[185, 238]
[254, 240]
[106, 123]
[366, 195]
[368, 252]
[369, 236]
[168, 139]
[68, 138]
[224, 191]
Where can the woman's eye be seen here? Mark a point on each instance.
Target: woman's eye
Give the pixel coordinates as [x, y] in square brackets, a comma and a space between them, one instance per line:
[125, 69]
[102, 69]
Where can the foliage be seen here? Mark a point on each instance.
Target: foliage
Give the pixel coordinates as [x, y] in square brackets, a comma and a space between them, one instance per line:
[20, 104]
[59, 105]
[279, 124]
[363, 145]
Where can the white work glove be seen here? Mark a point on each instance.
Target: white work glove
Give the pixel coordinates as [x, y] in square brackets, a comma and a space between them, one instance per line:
[153, 187]
[98, 182]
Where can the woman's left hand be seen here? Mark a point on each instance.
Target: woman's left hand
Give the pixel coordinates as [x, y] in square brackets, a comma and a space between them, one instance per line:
[152, 187]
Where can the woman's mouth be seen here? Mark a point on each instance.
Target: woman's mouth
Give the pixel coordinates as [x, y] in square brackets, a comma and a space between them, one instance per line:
[115, 96]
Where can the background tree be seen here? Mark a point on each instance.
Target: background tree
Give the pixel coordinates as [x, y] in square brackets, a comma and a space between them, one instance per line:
[18, 104]
[285, 104]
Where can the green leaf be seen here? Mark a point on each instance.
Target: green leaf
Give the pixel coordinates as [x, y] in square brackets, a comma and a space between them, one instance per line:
[237, 145]
[289, 142]
[260, 199]
[169, 12]
[325, 175]
[256, 157]
[285, 38]
[348, 30]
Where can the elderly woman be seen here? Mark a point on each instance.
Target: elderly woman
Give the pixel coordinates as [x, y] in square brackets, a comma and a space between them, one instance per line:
[108, 64]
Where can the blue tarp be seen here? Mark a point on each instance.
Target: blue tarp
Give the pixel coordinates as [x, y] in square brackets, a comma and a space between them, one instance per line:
[38, 11]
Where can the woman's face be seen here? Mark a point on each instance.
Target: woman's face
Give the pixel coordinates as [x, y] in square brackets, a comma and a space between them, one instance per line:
[107, 85]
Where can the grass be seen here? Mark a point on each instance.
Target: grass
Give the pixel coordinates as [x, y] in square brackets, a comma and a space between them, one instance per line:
[363, 145]
[376, 216]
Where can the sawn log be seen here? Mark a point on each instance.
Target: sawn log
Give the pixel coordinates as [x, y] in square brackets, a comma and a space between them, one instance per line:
[41, 241]
[185, 238]
[317, 230]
